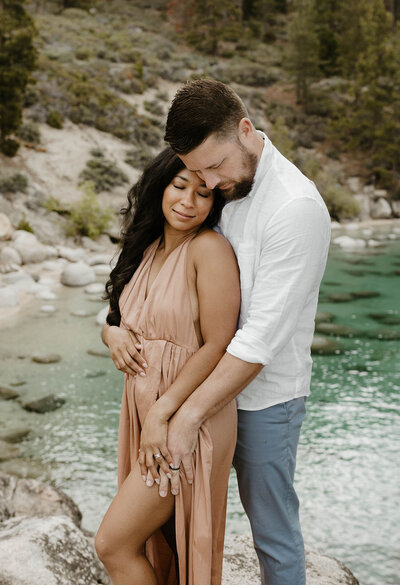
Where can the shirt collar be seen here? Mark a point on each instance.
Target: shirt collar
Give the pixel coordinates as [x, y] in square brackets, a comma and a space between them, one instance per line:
[263, 164]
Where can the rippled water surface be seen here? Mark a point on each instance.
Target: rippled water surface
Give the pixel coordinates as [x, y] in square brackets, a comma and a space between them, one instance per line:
[348, 463]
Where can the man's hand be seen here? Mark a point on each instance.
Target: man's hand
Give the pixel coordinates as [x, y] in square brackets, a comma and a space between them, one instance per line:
[183, 434]
[124, 350]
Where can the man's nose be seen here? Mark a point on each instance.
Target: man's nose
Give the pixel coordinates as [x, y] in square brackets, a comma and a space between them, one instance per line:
[211, 179]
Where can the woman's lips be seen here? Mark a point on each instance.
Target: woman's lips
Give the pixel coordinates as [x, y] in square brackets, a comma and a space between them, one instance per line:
[183, 215]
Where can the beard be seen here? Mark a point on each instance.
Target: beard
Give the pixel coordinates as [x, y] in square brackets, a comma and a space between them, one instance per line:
[243, 186]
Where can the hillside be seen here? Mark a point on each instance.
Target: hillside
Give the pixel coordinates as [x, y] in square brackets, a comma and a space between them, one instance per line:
[103, 82]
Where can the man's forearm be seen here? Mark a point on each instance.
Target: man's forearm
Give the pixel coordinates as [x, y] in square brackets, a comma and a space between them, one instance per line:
[230, 376]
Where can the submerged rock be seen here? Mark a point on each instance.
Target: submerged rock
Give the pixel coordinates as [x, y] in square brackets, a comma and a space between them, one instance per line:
[47, 551]
[15, 435]
[46, 358]
[323, 346]
[336, 329]
[44, 404]
[384, 334]
[8, 393]
[384, 318]
[8, 451]
[99, 352]
[340, 297]
[365, 294]
[324, 317]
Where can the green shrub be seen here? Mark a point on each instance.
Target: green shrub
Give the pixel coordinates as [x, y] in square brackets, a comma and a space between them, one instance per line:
[54, 204]
[55, 119]
[103, 173]
[25, 225]
[281, 138]
[339, 201]
[139, 157]
[13, 183]
[9, 147]
[162, 95]
[88, 217]
[29, 132]
[154, 107]
[83, 54]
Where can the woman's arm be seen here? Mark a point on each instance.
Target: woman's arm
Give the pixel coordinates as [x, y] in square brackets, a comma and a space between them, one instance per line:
[218, 290]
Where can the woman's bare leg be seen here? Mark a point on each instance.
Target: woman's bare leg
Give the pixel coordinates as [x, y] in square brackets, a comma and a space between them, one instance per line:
[134, 514]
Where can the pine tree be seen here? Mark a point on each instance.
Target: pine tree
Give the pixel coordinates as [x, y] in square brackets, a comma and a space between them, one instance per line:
[372, 120]
[17, 60]
[204, 23]
[326, 26]
[349, 35]
[303, 59]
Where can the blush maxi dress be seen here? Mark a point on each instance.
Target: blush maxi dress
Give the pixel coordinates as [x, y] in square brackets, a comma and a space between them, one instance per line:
[163, 323]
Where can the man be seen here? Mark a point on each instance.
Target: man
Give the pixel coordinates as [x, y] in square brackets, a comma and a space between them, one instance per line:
[279, 228]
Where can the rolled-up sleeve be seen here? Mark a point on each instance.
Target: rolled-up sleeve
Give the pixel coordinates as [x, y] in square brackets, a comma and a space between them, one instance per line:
[293, 257]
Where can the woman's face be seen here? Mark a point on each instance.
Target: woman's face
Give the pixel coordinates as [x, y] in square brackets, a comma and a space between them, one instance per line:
[186, 201]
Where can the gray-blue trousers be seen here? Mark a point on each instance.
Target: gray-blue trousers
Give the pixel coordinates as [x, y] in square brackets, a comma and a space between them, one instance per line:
[265, 461]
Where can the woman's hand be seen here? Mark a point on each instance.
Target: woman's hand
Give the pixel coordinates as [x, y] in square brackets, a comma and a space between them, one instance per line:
[153, 447]
[124, 350]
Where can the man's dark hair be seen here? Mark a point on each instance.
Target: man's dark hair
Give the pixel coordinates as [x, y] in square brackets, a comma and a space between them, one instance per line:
[201, 108]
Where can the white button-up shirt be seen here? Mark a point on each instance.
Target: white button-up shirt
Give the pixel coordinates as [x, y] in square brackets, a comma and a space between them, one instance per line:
[280, 233]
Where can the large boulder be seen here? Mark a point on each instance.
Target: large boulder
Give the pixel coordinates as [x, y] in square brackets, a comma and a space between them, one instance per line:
[348, 242]
[10, 255]
[8, 298]
[380, 209]
[47, 551]
[6, 229]
[29, 247]
[77, 274]
[30, 497]
[241, 566]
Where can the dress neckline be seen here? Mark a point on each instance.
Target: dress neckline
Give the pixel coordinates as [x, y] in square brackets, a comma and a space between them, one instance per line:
[156, 244]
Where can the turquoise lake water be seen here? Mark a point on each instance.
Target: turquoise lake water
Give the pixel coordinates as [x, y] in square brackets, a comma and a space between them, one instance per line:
[348, 474]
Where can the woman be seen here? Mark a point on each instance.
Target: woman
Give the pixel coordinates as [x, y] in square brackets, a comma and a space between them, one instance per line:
[174, 298]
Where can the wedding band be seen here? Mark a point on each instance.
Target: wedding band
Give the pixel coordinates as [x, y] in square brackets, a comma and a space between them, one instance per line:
[174, 468]
[157, 456]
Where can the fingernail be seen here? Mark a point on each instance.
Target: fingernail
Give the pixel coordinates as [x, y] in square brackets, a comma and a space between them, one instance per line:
[145, 365]
[144, 477]
[157, 481]
[169, 475]
[142, 374]
[190, 481]
[149, 482]
[163, 494]
[138, 346]
[174, 492]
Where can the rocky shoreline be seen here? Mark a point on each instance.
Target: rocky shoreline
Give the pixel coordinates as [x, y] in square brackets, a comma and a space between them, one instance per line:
[42, 541]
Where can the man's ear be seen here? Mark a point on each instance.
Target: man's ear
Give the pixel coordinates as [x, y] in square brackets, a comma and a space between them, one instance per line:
[245, 130]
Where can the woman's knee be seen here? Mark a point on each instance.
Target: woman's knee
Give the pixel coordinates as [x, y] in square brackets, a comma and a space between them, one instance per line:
[103, 545]
[110, 549]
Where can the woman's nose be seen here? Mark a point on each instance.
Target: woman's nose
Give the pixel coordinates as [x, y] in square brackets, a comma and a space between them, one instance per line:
[187, 197]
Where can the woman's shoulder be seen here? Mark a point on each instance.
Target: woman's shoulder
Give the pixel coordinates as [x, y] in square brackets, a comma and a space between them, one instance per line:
[210, 239]
[209, 242]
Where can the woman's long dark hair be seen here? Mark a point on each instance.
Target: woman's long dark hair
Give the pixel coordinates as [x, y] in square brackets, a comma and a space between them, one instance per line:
[143, 223]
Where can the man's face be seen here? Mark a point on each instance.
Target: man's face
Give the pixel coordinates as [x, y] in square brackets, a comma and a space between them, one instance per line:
[226, 165]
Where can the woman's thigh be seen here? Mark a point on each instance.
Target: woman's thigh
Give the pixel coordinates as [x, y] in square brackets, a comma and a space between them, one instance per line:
[135, 513]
